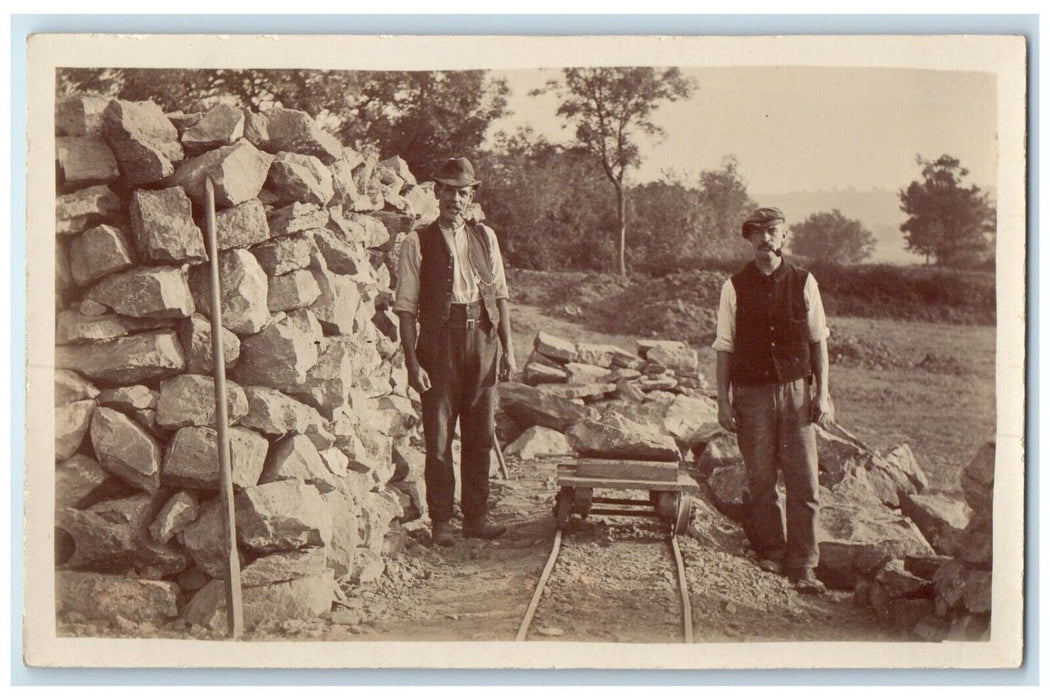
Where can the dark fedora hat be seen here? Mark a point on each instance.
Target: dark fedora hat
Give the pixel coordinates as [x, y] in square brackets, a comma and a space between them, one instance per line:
[761, 218]
[456, 172]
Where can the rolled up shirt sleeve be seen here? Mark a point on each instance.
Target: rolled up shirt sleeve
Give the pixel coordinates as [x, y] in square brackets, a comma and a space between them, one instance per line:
[816, 321]
[406, 293]
[499, 276]
[725, 327]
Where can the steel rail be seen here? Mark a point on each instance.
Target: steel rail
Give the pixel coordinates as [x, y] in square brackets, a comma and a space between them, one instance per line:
[683, 589]
[523, 630]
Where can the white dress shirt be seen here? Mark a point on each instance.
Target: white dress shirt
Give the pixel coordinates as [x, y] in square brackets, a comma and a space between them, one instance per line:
[725, 330]
[465, 283]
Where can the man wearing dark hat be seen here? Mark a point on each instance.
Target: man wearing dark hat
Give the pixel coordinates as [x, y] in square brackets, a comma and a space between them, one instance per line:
[771, 344]
[451, 280]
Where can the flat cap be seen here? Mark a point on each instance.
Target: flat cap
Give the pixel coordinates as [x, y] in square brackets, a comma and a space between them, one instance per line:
[760, 218]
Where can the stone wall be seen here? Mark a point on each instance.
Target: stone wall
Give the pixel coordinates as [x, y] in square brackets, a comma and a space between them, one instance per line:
[325, 440]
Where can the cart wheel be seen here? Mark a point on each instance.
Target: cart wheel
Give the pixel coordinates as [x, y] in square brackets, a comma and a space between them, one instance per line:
[563, 506]
[666, 505]
[581, 503]
[685, 510]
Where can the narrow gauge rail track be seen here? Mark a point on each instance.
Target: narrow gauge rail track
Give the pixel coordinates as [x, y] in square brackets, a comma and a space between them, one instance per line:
[676, 524]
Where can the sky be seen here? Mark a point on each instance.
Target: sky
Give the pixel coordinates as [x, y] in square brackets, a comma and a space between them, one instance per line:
[804, 128]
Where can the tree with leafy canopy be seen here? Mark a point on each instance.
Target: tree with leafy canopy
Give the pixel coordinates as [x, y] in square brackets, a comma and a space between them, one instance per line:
[611, 107]
[723, 203]
[952, 223]
[831, 237]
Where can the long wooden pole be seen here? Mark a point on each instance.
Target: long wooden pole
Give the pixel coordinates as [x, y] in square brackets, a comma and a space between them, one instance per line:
[234, 613]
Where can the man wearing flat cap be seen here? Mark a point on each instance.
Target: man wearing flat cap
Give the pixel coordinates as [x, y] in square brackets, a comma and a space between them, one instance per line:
[451, 281]
[772, 371]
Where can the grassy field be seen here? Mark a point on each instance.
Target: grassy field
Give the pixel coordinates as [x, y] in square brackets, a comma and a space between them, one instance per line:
[944, 408]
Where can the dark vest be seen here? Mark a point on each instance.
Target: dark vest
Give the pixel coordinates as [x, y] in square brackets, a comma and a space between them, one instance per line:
[435, 278]
[772, 334]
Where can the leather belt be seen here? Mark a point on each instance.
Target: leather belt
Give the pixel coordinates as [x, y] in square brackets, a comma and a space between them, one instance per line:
[469, 314]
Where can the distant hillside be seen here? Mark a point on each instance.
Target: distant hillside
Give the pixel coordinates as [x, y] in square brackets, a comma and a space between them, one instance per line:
[878, 210]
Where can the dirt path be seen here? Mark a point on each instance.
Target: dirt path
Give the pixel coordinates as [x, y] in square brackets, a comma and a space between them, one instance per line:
[614, 582]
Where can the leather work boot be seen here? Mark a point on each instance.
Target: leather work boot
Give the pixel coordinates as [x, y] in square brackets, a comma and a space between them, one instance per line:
[441, 533]
[805, 582]
[771, 565]
[482, 529]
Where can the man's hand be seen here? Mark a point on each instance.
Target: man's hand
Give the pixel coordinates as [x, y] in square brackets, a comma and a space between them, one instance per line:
[418, 379]
[507, 366]
[727, 416]
[823, 410]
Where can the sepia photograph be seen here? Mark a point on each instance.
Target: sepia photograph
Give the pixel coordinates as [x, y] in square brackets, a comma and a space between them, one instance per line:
[525, 352]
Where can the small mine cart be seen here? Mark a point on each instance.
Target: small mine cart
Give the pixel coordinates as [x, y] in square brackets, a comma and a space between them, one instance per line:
[669, 490]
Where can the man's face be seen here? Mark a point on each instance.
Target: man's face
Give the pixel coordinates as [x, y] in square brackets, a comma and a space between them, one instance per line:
[766, 239]
[453, 201]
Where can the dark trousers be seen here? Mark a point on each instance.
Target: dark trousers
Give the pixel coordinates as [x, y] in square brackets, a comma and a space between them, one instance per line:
[776, 435]
[463, 380]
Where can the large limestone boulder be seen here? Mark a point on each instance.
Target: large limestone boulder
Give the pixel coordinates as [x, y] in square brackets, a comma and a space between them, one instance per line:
[282, 515]
[204, 540]
[297, 217]
[113, 537]
[841, 458]
[273, 413]
[692, 421]
[74, 327]
[70, 386]
[179, 511]
[616, 437]
[299, 599]
[729, 490]
[344, 510]
[189, 399]
[143, 140]
[379, 510]
[244, 291]
[83, 161]
[857, 539]
[422, 204]
[601, 354]
[279, 129]
[75, 479]
[296, 457]
[580, 392]
[531, 406]
[284, 255]
[163, 226]
[338, 302]
[284, 566]
[537, 441]
[85, 208]
[554, 347]
[719, 452]
[192, 459]
[71, 424]
[241, 225]
[281, 355]
[125, 360]
[978, 481]
[683, 360]
[939, 518]
[98, 252]
[343, 253]
[195, 337]
[296, 290]
[360, 436]
[219, 126]
[344, 361]
[153, 292]
[299, 178]
[80, 115]
[115, 598]
[125, 449]
[237, 171]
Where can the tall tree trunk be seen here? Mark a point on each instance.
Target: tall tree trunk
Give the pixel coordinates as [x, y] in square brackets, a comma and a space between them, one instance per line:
[621, 210]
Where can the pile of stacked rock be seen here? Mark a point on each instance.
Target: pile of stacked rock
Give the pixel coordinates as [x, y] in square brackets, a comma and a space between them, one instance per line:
[324, 437]
[602, 401]
[921, 560]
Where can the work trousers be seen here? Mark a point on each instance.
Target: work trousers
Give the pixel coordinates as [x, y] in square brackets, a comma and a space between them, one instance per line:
[463, 384]
[776, 434]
